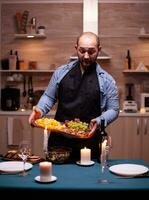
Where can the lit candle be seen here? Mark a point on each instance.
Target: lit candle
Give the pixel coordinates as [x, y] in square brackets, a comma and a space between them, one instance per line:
[103, 149]
[85, 155]
[45, 170]
[142, 110]
[45, 141]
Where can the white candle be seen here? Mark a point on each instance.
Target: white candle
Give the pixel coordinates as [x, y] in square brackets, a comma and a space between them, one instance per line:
[85, 155]
[45, 140]
[103, 149]
[45, 170]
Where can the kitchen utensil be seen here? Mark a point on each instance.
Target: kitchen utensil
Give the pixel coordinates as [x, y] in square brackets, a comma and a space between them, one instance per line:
[37, 95]
[30, 93]
[24, 87]
[129, 104]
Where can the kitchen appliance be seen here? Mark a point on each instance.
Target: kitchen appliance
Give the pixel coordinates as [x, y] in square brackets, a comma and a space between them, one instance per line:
[145, 101]
[129, 104]
[10, 99]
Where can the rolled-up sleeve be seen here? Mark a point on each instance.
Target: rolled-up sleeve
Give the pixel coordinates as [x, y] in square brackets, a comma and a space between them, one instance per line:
[109, 98]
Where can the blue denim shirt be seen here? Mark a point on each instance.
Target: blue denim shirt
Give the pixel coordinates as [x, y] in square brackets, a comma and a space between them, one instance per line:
[108, 92]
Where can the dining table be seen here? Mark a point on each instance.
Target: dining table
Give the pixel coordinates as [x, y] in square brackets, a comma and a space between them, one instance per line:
[74, 179]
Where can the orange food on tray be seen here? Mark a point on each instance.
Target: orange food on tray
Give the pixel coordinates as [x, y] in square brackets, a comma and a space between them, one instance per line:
[50, 124]
[74, 128]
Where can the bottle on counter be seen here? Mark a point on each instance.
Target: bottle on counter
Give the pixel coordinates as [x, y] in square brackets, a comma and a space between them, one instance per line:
[128, 60]
[17, 60]
[12, 60]
[103, 132]
[105, 144]
[33, 25]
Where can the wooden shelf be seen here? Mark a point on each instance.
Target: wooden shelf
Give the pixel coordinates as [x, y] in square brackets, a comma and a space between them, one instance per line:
[28, 71]
[144, 36]
[98, 58]
[30, 36]
[102, 56]
[136, 71]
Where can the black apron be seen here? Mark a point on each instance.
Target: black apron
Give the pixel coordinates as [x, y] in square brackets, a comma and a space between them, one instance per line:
[78, 97]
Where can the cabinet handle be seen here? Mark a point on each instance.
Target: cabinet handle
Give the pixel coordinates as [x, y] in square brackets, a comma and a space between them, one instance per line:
[138, 126]
[145, 127]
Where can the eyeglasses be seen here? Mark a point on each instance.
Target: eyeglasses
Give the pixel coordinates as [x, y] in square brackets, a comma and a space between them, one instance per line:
[90, 51]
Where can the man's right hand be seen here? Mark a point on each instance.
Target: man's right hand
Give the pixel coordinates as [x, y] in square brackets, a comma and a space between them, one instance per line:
[36, 114]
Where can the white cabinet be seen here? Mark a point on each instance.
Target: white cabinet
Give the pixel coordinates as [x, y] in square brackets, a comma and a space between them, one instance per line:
[130, 138]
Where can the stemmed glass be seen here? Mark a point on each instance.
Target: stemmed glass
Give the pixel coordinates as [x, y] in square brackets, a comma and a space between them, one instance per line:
[24, 152]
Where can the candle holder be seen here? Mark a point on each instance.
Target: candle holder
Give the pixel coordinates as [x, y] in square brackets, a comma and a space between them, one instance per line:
[85, 157]
[45, 143]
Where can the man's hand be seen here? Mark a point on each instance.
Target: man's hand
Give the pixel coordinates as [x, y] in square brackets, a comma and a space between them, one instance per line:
[36, 114]
[93, 126]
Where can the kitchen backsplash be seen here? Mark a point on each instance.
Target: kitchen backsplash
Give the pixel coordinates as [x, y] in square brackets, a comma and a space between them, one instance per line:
[119, 26]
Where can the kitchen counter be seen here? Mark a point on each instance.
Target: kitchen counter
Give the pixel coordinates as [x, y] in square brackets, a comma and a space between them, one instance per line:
[137, 114]
[52, 113]
[23, 113]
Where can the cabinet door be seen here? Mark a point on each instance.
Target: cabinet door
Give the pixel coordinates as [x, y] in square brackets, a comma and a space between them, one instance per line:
[3, 135]
[126, 138]
[13, 130]
[116, 131]
[145, 135]
[133, 137]
[37, 141]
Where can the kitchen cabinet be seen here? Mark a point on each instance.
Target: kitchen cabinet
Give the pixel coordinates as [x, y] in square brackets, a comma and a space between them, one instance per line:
[14, 127]
[130, 138]
[13, 130]
[129, 133]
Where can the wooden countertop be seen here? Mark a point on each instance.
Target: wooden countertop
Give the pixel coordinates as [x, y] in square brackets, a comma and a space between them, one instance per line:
[52, 113]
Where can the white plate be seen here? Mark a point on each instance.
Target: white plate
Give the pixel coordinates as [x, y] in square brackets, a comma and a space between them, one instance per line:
[51, 179]
[86, 164]
[129, 169]
[14, 166]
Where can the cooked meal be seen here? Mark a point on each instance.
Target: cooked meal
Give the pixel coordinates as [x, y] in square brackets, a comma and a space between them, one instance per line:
[72, 128]
[49, 123]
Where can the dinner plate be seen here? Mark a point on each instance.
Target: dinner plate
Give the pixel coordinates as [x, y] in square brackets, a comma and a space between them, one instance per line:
[129, 169]
[51, 179]
[14, 166]
[86, 164]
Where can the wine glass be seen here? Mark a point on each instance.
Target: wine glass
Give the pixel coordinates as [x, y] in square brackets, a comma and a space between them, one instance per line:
[24, 152]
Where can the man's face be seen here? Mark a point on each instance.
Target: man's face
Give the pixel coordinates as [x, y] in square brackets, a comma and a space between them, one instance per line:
[87, 51]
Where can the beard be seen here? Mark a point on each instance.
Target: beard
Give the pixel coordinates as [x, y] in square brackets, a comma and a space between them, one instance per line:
[86, 64]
